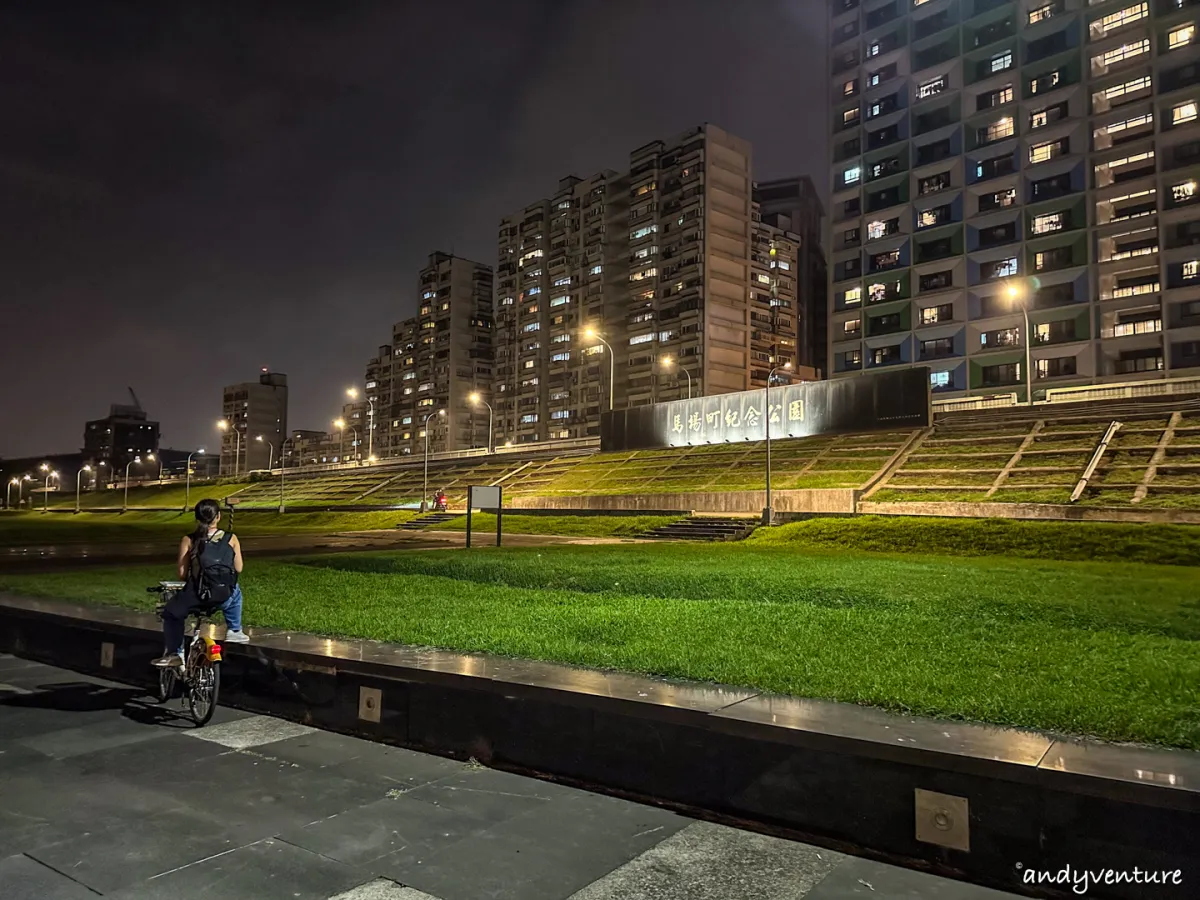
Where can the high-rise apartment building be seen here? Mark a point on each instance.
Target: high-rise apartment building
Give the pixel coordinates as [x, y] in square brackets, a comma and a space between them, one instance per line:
[252, 410]
[793, 204]
[657, 280]
[435, 362]
[993, 158]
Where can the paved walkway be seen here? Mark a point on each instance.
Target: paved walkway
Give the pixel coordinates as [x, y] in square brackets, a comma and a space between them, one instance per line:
[103, 792]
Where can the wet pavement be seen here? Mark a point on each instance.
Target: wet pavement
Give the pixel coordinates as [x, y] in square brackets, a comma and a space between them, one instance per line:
[108, 793]
[36, 556]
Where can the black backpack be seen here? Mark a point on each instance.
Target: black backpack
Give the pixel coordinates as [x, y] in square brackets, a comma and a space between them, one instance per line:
[213, 576]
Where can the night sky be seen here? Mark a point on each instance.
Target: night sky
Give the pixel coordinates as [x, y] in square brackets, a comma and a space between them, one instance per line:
[190, 191]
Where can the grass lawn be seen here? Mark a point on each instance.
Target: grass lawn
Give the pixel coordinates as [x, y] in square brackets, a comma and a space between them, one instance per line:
[1095, 648]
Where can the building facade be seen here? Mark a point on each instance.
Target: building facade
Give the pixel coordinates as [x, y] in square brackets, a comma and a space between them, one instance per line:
[436, 361]
[793, 204]
[994, 159]
[251, 410]
[109, 444]
[639, 286]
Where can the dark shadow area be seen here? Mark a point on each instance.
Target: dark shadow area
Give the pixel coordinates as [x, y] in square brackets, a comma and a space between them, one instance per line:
[74, 697]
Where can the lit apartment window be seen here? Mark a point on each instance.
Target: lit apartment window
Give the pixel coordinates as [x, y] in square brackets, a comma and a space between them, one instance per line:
[595, 270]
[931, 88]
[849, 88]
[1191, 269]
[873, 49]
[852, 175]
[1000, 129]
[1181, 36]
[533, 291]
[1048, 150]
[1041, 13]
[1128, 160]
[641, 339]
[1125, 52]
[1043, 83]
[1047, 223]
[1184, 112]
[850, 115]
[560, 357]
[1181, 193]
[1129, 87]
[1141, 326]
[853, 326]
[939, 379]
[1126, 16]
[1118, 127]
[1002, 61]
[559, 301]
[559, 282]
[1004, 268]
[876, 230]
[854, 295]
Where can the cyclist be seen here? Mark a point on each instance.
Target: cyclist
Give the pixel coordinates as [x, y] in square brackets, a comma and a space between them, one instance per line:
[209, 562]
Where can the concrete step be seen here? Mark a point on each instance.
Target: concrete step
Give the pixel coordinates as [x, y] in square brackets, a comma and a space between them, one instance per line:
[427, 520]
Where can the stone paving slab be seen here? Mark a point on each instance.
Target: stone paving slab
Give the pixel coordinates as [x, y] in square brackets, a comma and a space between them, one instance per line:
[107, 793]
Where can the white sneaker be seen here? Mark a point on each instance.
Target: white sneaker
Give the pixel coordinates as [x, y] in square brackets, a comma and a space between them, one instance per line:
[236, 637]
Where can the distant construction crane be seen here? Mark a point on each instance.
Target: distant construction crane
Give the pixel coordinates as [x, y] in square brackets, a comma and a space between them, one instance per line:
[136, 402]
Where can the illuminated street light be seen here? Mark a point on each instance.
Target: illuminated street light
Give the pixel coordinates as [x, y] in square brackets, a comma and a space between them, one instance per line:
[667, 363]
[187, 489]
[125, 502]
[352, 393]
[595, 335]
[425, 487]
[1017, 295]
[340, 425]
[476, 400]
[78, 484]
[270, 451]
[769, 513]
[223, 425]
[46, 491]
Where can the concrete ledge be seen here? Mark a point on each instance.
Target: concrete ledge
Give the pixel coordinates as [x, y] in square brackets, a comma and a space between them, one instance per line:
[1049, 511]
[831, 500]
[830, 772]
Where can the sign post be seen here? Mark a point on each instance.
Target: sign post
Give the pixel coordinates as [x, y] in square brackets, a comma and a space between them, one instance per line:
[485, 499]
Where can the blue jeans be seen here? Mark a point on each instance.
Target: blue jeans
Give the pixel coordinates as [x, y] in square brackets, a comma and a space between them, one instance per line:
[232, 609]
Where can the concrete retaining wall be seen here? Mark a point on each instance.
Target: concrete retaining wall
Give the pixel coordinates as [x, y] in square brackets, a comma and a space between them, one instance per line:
[743, 502]
[1045, 511]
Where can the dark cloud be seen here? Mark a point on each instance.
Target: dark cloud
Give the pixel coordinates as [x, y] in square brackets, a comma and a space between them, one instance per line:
[191, 191]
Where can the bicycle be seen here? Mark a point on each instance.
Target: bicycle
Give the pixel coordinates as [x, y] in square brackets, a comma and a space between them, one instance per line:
[199, 678]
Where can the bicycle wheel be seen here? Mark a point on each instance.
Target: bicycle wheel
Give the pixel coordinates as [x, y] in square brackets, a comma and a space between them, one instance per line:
[167, 683]
[202, 694]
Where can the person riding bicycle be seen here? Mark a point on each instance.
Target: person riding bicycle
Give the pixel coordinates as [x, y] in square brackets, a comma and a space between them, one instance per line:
[210, 561]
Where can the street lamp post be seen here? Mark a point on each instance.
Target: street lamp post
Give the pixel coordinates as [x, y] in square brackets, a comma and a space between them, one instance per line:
[667, 362]
[187, 490]
[125, 502]
[270, 451]
[425, 483]
[352, 393]
[21, 490]
[1015, 294]
[769, 513]
[237, 451]
[340, 425]
[8, 492]
[46, 492]
[475, 398]
[283, 468]
[593, 333]
[78, 484]
[355, 441]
